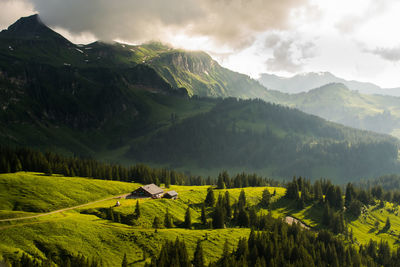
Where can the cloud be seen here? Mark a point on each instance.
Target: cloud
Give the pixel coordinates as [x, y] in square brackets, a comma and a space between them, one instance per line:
[13, 10]
[288, 54]
[390, 54]
[234, 23]
[348, 24]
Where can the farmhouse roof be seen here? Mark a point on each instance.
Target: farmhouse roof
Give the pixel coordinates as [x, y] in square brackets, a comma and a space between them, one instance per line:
[153, 189]
[172, 193]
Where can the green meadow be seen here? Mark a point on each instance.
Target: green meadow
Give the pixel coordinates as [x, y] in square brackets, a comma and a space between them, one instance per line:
[83, 231]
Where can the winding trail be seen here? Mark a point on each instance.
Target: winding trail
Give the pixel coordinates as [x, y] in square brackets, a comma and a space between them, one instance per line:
[61, 210]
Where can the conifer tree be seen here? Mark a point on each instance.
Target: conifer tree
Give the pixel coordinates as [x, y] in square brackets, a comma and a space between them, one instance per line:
[243, 218]
[221, 183]
[210, 198]
[228, 208]
[188, 218]
[168, 220]
[318, 195]
[198, 259]
[124, 261]
[242, 199]
[266, 198]
[218, 218]
[203, 215]
[349, 195]
[387, 225]
[156, 223]
[137, 210]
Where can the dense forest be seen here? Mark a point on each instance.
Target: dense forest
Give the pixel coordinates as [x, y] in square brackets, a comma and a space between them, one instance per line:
[259, 135]
[26, 159]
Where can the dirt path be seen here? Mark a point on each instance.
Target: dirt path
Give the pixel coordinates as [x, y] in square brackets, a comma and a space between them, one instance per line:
[290, 220]
[61, 210]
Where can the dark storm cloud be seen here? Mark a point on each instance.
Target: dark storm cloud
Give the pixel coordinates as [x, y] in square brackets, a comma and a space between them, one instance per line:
[230, 22]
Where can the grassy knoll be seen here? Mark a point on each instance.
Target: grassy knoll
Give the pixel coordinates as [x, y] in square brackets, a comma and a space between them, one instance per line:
[34, 192]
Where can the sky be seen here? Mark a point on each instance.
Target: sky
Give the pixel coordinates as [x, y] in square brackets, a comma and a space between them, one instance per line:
[355, 40]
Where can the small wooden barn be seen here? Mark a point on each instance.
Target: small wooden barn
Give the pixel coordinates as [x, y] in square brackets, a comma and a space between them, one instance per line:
[150, 190]
[171, 195]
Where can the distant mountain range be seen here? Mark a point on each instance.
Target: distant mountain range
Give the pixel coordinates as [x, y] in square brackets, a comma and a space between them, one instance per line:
[310, 80]
[170, 107]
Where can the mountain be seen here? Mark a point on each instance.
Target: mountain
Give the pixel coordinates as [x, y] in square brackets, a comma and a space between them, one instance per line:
[307, 81]
[336, 102]
[270, 139]
[164, 106]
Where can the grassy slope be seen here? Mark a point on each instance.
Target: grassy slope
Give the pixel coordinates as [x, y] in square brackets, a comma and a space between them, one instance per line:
[76, 232]
[34, 192]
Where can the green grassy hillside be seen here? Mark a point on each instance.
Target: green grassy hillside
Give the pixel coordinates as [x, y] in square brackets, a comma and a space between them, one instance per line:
[34, 192]
[84, 231]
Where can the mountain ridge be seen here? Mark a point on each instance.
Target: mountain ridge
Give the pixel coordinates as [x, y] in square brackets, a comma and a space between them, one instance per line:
[304, 82]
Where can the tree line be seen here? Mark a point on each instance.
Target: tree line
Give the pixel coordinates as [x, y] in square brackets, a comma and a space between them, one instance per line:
[27, 159]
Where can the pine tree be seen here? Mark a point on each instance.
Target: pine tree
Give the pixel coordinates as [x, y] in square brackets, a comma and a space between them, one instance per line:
[124, 261]
[266, 198]
[203, 215]
[221, 184]
[167, 220]
[349, 195]
[218, 221]
[228, 208]
[156, 223]
[198, 259]
[292, 191]
[318, 191]
[387, 225]
[137, 210]
[188, 218]
[243, 218]
[210, 198]
[242, 199]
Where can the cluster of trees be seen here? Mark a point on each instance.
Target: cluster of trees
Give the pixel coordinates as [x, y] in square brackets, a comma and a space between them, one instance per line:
[26, 159]
[280, 244]
[175, 254]
[224, 213]
[243, 180]
[303, 192]
[384, 188]
[55, 258]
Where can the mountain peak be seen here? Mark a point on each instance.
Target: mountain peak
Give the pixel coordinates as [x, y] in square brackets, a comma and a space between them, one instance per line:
[31, 27]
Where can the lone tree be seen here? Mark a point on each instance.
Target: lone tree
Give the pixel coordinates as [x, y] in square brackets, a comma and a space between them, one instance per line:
[124, 261]
[137, 209]
[188, 219]
[156, 223]
[168, 220]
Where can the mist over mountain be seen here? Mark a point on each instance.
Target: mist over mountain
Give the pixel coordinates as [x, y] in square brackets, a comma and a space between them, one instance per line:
[304, 82]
